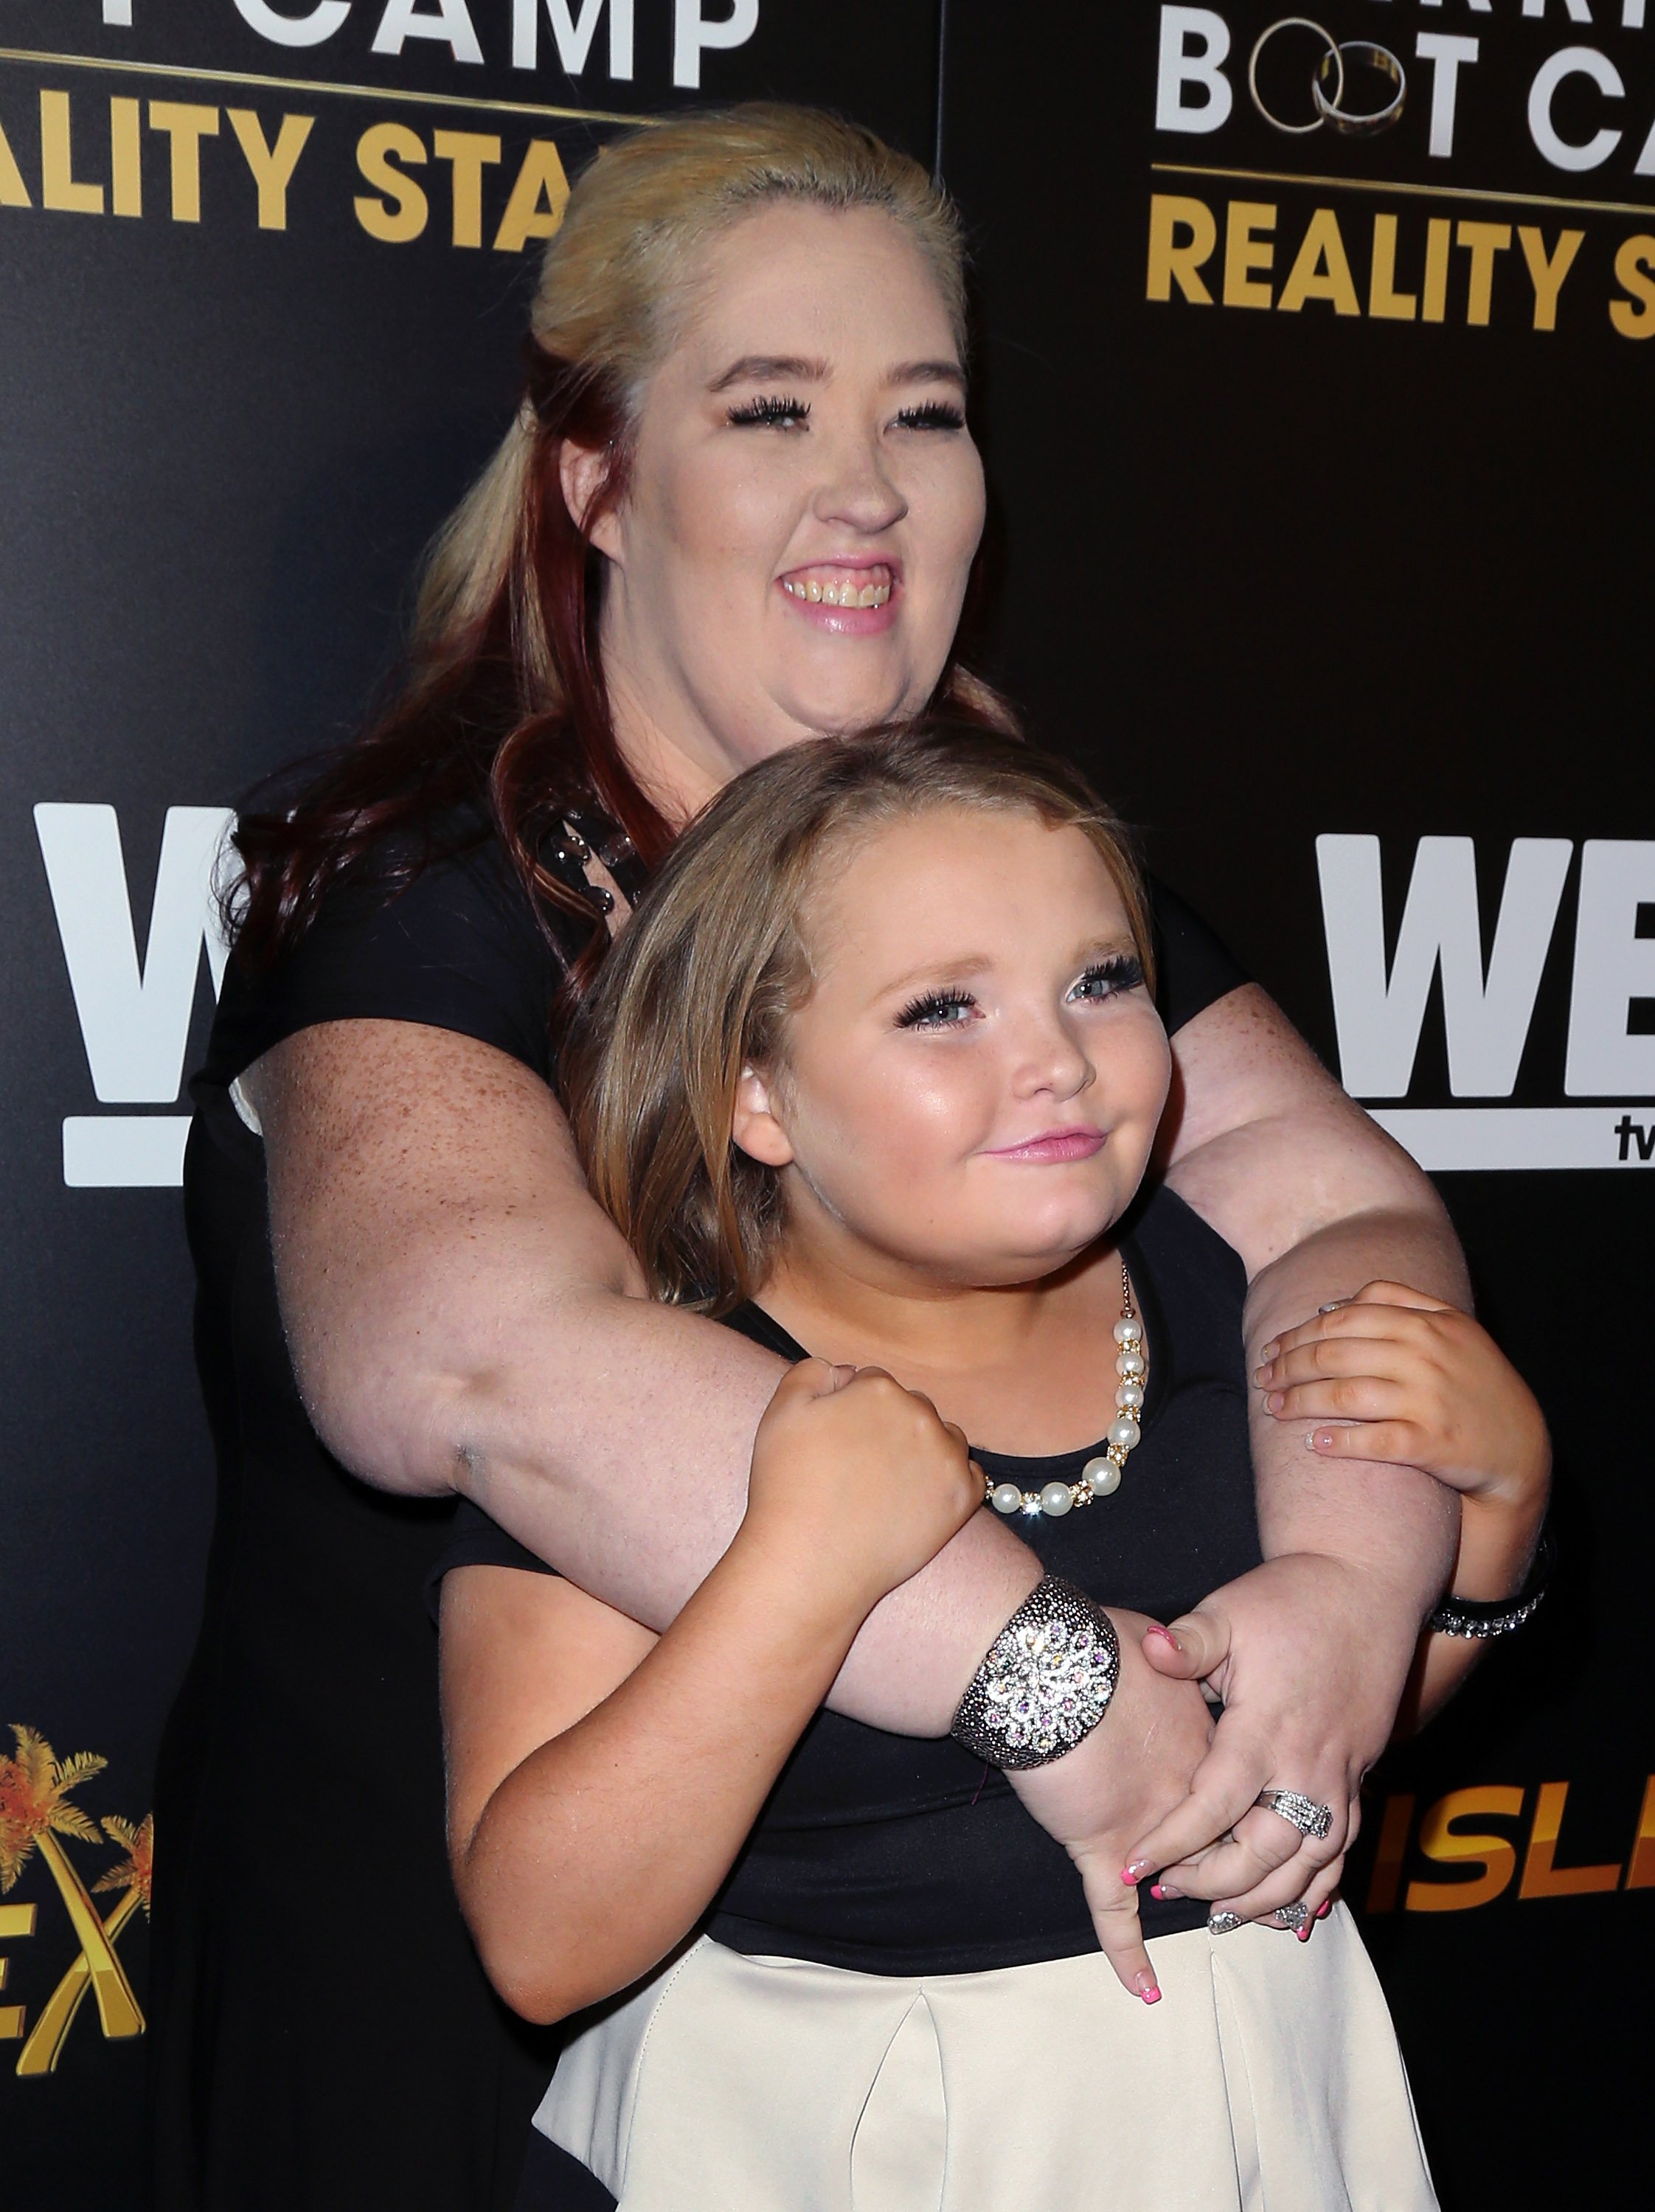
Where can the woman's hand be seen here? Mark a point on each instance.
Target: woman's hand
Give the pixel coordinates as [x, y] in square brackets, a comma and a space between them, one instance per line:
[856, 1484]
[1310, 1656]
[1393, 1374]
[1132, 1768]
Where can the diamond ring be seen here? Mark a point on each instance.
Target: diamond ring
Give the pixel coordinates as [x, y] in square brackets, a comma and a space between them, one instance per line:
[1299, 1812]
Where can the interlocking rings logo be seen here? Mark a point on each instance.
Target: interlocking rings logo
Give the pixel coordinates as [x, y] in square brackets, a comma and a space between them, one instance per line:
[1327, 82]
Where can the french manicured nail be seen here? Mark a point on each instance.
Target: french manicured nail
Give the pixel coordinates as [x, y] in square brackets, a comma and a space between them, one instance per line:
[1268, 1351]
[1276, 1401]
[1145, 1986]
[1134, 1872]
[1164, 1890]
[1319, 1440]
[1224, 1923]
[1262, 1375]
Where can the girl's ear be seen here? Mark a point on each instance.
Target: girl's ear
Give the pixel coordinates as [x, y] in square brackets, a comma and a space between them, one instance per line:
[756, 1128]
[580, 472]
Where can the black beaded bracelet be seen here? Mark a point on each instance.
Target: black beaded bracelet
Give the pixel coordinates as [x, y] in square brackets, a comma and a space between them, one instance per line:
[1465, 1616]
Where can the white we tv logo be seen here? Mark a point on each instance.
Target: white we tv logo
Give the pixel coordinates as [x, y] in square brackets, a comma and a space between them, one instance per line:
[1379, 1008]
[134, 1016]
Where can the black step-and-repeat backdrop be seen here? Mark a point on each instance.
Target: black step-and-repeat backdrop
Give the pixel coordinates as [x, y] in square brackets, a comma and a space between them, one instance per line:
[1314, 386]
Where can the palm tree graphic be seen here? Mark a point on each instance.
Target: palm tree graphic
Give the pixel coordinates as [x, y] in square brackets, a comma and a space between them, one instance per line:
[34, 1811]
[133, 1876]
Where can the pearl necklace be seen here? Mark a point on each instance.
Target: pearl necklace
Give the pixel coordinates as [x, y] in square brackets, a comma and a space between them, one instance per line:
[1101, 1475]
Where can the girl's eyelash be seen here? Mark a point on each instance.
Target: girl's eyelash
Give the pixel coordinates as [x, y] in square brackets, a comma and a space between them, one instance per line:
[932, 415]
[771, 410]
[1123, 972]
[931, 1006]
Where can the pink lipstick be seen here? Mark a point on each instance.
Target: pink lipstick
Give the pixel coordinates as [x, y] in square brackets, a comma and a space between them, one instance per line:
[1053, 1147]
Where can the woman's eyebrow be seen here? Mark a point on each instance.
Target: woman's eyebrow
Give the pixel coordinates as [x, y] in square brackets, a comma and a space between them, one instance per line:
[771, 368]
[926, 372]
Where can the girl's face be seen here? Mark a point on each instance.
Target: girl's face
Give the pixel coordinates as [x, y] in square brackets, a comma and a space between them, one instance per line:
[973, 1087]
[804, 506]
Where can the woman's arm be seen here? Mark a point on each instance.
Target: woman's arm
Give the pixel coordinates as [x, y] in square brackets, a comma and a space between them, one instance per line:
[1314, 1647]
[601, 1780]
[462, 1317]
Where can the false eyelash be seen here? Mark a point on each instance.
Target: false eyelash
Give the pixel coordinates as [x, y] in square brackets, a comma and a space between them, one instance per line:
[1125, 971]
[932, 415]
[929, 1005]
[768, 409]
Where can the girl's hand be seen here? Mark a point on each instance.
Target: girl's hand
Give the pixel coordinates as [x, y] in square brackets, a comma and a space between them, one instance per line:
[1401, 1378]
[1131, 1771]
[856, 1484]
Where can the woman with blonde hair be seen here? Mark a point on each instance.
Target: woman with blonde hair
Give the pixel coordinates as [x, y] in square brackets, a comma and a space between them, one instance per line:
[738, 506]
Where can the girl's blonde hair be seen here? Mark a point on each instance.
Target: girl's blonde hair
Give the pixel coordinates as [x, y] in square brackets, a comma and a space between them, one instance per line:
[705, 975]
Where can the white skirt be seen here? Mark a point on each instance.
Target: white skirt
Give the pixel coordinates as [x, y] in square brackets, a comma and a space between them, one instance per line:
[1267, 2079]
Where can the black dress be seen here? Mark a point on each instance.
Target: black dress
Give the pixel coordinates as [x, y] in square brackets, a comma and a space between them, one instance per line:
[887, 1855]
[323, 2038]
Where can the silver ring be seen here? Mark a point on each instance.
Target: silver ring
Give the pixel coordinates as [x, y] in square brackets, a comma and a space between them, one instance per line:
[1333, 54]
[1299, 1812]
[1291, 1916]
[1330, 108]
[1360, 127]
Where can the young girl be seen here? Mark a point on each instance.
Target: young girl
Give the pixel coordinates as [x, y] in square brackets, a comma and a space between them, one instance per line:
[873, 1075]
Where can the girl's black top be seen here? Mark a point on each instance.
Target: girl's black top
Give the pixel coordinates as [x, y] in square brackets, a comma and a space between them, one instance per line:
[897, 1856]
[322, 2033]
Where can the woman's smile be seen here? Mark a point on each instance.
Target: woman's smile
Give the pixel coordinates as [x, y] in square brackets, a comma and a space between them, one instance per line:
[854, 595]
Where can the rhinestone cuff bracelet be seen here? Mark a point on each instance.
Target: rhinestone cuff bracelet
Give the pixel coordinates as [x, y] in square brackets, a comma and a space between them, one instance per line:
[1046, 1682]
[1461, 1616]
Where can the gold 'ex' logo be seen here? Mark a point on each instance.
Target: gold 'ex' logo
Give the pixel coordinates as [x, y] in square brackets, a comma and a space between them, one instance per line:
[37, 1813]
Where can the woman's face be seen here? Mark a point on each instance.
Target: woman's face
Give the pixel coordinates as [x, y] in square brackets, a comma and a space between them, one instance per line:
[804, 505]
[973, 1087]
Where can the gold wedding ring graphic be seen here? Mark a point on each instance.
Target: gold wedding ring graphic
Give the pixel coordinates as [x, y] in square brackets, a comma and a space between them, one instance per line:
[1327, 82]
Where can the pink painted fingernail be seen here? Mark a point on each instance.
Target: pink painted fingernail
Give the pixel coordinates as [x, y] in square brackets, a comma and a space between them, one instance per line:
[1134, 1872]
[1145, 1986]
[1166, 1634]
[1304, 1934]
[1165, 1890]
[1325, 1908]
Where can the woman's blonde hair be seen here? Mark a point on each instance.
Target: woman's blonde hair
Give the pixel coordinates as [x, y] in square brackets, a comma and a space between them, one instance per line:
[505, 714]
[620, 276]
[705, 975]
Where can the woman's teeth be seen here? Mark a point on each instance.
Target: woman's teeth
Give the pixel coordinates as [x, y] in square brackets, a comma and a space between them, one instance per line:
[832, 595]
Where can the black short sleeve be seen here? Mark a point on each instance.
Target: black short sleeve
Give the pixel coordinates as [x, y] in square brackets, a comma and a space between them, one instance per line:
[474, 1541]
[1193, 967]
[458, 949]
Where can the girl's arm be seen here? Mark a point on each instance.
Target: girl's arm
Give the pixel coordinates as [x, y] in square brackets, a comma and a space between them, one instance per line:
[601, 1779]
[1394, 1375]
